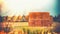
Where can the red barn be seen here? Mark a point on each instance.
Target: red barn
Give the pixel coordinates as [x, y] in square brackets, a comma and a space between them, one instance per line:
[40, 19]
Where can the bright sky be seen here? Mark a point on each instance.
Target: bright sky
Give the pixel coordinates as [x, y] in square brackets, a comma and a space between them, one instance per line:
[20, 7]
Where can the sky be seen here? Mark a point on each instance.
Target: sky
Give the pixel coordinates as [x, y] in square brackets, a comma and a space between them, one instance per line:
[58, 6]
[20, 7]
